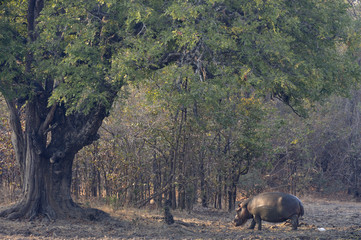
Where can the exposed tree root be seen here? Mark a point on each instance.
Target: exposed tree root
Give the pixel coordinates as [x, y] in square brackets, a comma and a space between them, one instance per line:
[68, 210]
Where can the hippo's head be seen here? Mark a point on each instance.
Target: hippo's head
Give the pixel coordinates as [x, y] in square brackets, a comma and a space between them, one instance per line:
[242, 214]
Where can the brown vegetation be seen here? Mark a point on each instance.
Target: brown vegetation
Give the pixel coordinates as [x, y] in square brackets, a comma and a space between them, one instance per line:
[143, 157]
[323, 220]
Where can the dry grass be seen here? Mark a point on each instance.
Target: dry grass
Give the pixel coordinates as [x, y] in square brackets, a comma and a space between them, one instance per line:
[341, 220]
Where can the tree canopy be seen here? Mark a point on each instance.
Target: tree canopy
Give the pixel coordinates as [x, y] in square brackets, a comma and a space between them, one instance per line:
[296, 50]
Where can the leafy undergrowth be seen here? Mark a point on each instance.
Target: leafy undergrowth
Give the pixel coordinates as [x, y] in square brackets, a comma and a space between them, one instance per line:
[323, 220]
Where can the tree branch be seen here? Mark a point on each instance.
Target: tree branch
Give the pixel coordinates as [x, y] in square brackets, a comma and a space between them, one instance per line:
[17, 136]
[49, 118]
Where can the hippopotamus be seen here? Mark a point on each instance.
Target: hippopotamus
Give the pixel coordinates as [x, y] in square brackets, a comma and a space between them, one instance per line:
[270, 207]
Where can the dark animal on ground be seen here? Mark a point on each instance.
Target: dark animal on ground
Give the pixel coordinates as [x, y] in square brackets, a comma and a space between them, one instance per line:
[270, 207]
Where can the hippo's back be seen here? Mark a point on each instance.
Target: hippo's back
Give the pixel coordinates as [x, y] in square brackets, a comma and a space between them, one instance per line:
[275, 206]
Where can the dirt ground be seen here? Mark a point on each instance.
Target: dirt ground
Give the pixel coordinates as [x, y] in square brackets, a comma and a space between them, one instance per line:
[322, 220]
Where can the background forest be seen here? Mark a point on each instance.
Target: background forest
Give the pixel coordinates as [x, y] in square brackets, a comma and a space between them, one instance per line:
[145, 150]
[148, 150]
[215, 100]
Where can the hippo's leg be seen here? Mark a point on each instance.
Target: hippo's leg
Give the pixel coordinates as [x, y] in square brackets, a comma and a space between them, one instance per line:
[294, 221]
[253, 224]
[258, 220]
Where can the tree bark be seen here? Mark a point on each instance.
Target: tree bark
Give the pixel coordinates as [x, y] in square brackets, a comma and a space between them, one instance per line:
[17, 137]
[204, 195]
[156, 179]
[49, 159]
[232, 194]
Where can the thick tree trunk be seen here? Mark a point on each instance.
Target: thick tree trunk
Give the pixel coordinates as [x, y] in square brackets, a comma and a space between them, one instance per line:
[49, 159]
[48, 166]
[47, 191]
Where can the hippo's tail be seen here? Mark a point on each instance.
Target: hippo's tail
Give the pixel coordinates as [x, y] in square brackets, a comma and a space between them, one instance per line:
[302, 210]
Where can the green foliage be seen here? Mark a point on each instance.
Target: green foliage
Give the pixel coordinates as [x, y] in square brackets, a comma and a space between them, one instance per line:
[277, 47]
[75, 44]
[281, 45]
[12, 49]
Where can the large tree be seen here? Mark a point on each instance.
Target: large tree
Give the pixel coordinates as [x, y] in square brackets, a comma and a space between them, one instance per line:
[63, 62]
[56, 80]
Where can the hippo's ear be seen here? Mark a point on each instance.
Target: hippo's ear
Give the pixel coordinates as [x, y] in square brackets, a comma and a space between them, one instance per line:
[243, 204]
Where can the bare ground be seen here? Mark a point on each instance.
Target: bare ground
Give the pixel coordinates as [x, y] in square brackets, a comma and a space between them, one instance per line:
[323, 220]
